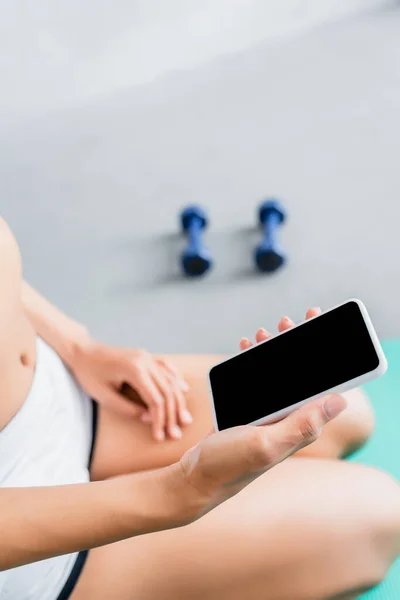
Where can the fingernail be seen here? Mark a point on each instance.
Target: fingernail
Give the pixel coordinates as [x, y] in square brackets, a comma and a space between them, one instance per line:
[263, 330]
[160, 436]
[334, 405]
[186, 417]
[287, 320]
[176, 432]
[185, 385]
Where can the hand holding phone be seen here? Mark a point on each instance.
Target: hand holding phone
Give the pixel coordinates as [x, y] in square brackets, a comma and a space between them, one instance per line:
[328, 353]
[224, 463]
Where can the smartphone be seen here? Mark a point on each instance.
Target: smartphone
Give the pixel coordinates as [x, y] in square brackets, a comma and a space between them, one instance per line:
[331, 353]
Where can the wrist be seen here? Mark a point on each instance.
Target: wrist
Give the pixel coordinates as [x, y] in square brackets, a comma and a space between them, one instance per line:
[164, 499]
[71, 345]
[187, 503]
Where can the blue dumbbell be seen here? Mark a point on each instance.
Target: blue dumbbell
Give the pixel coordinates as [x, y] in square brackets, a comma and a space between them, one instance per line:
[196, 258]
[268, 255]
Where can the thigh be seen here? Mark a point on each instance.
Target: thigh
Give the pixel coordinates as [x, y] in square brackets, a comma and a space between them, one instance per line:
[306, 530]
[124, 446]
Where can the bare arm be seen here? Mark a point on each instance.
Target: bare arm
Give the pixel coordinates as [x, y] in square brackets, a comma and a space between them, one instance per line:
[74, 517]
[61, 332]
[41, 522]
[38, 523]
[131, 382]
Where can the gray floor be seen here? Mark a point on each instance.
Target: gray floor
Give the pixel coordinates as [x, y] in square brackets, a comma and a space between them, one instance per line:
[93, 193]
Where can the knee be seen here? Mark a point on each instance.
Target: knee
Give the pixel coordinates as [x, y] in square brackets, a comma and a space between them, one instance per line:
[373, 534]
[386, 527]
[348, 432]
[382, 526]
[358, 422]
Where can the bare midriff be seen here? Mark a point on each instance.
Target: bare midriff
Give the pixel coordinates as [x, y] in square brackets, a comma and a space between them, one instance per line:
[17, 337]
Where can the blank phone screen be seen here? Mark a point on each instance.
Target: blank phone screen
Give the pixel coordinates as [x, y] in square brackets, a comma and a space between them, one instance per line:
[308, 360]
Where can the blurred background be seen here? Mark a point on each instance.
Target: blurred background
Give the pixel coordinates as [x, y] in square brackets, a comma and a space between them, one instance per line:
[115, 115]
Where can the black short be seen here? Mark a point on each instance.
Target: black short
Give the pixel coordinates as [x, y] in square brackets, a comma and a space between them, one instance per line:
[82, 556]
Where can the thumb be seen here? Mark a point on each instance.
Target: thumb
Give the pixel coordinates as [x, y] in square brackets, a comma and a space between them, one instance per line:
[304, 425]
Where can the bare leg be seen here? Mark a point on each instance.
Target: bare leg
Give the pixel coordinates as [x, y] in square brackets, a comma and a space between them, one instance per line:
[280, 525]
[127, 446]
[307, 530]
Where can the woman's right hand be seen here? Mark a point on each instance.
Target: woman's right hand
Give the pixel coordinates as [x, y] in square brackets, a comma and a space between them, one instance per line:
[224, 463]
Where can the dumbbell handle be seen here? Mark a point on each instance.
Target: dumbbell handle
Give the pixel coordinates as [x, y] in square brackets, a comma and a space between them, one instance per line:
[194, 234]
[270, 227]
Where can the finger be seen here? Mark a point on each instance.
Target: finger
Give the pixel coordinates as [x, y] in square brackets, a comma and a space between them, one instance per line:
[165, 363]
[285, 323]
[303, 426]
[245, 343]
[262, 335]
[174, 371]
[166, 389]
[242, 453]
[184, 414]
[146, 417]
[155, 401]
[313, 312]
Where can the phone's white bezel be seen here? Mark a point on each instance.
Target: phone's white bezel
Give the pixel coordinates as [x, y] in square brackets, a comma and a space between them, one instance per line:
[348, 385]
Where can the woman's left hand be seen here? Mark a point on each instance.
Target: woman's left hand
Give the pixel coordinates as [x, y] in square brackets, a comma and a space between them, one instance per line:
[112, 375]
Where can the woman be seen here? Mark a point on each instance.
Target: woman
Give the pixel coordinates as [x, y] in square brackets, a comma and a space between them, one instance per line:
[308, 529]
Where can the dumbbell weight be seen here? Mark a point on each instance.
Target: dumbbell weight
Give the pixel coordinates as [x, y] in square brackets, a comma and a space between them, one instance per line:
[196, 258]
[268, 255]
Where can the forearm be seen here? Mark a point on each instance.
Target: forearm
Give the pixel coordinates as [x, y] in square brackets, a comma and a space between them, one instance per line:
[38, 523]
[61, 332]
